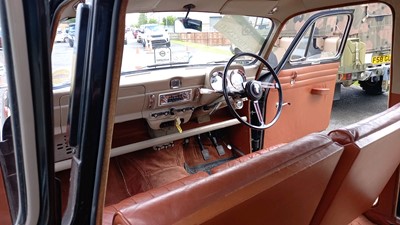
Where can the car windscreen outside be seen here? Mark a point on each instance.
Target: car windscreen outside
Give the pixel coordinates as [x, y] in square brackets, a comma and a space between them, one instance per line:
[163, 41]
[159, 41]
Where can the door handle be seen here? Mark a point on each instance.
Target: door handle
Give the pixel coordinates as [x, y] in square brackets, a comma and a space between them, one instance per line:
[320, 91]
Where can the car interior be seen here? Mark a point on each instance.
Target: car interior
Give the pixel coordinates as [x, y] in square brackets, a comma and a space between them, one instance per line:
[242, 141]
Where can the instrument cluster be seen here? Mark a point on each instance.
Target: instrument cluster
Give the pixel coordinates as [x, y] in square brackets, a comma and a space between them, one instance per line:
[235, 80]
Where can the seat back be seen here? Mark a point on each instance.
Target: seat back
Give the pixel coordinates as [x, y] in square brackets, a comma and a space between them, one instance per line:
[282, 186]
[371, 155]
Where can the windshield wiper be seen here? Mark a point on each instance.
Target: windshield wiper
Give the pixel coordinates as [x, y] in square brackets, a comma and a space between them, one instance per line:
[167, 64]
[217, 62]
[240, 61]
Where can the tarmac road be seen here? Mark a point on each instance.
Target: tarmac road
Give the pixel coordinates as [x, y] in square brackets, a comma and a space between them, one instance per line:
[354, 105]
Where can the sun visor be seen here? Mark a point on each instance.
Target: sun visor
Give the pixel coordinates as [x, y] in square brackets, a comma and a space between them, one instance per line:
[258, 7]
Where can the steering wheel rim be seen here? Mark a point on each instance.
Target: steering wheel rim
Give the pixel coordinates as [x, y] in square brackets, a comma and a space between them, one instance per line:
[255, 102]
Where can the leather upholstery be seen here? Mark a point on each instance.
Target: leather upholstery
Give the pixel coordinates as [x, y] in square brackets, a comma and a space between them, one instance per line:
[145, 170]
[363, 128]
[305, 111]
[109, 211]
[264, 188]
[371, 156]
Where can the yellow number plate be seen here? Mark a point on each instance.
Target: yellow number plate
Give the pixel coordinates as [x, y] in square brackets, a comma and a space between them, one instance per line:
[381, 59]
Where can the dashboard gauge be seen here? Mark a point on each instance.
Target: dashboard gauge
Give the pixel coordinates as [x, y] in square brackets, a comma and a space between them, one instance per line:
[237, 77]
[216, 81]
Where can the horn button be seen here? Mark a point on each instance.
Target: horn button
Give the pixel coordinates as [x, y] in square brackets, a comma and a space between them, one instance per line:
[254, 90]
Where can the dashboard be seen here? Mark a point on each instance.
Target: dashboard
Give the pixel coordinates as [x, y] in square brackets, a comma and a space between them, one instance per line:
[164, 97]
[161, 97]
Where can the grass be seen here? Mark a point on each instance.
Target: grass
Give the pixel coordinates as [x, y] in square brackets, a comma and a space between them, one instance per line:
[210, 49]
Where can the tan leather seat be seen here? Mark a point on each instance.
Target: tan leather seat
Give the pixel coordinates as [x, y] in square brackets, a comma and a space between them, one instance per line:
[370, 158]
[109, 211]
[282, 186]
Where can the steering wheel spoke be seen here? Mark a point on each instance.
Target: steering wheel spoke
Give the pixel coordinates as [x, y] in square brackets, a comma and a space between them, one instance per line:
[268, 85]
[258, 113]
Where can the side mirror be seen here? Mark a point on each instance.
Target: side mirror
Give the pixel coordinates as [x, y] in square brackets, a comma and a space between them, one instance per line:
[192, 24]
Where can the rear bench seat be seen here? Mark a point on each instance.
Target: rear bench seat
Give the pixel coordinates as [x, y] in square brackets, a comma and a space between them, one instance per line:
[287, 181]
[371, 155]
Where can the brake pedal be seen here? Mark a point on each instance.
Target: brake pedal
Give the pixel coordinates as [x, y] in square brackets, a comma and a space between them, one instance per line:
[220, 148]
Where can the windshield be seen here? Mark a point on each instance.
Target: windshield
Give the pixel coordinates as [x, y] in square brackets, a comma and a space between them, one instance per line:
[155, 28]
[162, 40]
[159, 40]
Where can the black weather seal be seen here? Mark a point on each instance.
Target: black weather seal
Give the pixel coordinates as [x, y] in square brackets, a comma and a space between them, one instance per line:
[13, 104]
[37, 22]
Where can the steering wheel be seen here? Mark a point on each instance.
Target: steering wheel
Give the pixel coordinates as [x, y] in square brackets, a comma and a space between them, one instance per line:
[253, 90]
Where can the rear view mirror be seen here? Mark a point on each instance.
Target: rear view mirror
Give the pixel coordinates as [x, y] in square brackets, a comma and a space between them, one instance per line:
[192, 24]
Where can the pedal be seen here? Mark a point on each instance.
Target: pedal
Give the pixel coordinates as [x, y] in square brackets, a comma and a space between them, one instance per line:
[164, 146]
[204, 151]
[220, 148]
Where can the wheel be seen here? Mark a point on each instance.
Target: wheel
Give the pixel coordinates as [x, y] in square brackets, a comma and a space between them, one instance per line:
[125, 42]
[253, 90]
[168, 44]
[144, 43]
[71, 43]
[372, 87]
[66, 40]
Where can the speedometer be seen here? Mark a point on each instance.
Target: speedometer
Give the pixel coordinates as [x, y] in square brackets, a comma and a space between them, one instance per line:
[237, 77]
[216, 81]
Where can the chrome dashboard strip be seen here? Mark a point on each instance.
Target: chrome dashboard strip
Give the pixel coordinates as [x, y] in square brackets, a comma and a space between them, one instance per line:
[66, 164]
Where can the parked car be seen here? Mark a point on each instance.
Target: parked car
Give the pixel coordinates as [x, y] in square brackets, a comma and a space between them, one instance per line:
[61, 35]
[71, 35]
[135, 33]
[155, 35]
[148, 137]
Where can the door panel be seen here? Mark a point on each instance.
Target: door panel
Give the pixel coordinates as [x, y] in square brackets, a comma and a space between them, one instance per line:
[308, 96]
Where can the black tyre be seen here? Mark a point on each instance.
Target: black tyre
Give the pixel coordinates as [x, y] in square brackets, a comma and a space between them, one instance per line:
[168, 44]
[125, 42]
[372, 87]
[71, 43]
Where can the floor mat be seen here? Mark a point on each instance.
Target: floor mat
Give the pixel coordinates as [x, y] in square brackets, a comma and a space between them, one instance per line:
[206, 166]
[194, 160]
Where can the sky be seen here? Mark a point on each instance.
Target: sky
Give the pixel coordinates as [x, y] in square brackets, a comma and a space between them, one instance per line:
[132, 18]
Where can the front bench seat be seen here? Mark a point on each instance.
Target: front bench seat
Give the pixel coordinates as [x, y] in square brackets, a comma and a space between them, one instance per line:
[370, 157]
[282, 186]
[109, 211]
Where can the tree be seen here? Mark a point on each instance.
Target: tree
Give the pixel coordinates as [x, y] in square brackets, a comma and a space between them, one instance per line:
[142, 19]
[152, 20]
[168, 21]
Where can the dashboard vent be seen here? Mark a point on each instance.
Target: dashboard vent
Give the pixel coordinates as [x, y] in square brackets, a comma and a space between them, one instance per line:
[62, 150]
